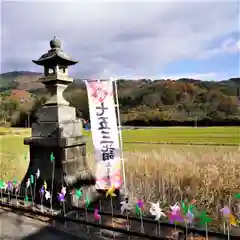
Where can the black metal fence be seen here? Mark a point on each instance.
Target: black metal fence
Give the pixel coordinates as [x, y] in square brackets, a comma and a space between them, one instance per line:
[110, 225]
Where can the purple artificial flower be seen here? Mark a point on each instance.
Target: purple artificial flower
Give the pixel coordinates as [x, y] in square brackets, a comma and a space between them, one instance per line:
[9, 186]
[140, 203]
[225, 211]
[42, 190]
[190, 216]
[17, 187]
[60, 197]
[176, 216]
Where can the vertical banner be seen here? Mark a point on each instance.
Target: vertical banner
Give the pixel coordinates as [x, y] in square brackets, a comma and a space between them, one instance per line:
[104, 133]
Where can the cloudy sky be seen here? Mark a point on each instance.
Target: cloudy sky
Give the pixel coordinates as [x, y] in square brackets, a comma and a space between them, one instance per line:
[153, 39]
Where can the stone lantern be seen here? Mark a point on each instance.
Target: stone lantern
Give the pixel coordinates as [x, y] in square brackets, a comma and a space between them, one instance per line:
[57, 132]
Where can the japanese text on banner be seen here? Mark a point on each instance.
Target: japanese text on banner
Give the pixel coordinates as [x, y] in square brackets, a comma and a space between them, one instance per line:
[104, 130]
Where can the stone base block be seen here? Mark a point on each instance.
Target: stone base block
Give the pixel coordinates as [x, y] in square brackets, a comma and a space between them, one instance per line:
[70, 163]
[56, 113]
[69, 160]
[56, 130]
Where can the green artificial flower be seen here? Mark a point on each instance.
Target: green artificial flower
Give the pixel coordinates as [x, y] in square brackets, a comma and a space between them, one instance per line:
[78, 193]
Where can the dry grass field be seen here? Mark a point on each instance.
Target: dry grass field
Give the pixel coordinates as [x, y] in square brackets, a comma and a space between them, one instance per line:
[169, 173]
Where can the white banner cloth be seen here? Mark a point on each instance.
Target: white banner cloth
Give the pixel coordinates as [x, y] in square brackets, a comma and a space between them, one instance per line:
[105, 135]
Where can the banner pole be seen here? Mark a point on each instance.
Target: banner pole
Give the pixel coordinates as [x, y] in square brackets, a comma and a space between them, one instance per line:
[120, 135]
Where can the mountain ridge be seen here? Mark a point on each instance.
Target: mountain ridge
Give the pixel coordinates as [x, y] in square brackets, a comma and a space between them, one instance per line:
[27, 80]
[143, 101]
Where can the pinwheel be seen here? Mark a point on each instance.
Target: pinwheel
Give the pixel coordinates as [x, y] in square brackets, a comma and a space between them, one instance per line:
[2, 185]
[188, 211]
[31, 179]
[190, 216]
[237, 195]
[116, 179]
[96, 215]
[184, 207]
[45, 185]
[35, 183]
[139, 211]
[61, 197]
[140, 203]
[78, 193]
[63, 190]
[2, 188]
[26, 201]
[10, 189]
[225, 211]
[47, 195]
[38, 174]
[156, 211]
[110, 192]
[16, 185]
[27, 186]
[17, 190]
[52, 158]
[31, 182]
[204, 218]
[175, 207]
[42, 190]
[15, 182]
[138, 207]
[175, 215]
[9, 186]
[124, 206]
[87, 201]
[28, 183]
[86, 205]
[232, 220]
[228, 216]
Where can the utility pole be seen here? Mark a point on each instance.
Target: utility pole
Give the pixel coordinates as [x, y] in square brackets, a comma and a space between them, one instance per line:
[27, 124]
[196, 121]
[28, 117]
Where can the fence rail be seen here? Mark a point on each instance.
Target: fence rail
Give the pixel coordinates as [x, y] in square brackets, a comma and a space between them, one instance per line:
[47, 217]
[61, 216]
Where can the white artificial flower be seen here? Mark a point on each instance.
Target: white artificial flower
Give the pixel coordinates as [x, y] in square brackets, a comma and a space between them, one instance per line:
[38, 173]
[156, 211]
[175, 207]
[63, 191]
[47, 195]
[28, 183]
[124, 206]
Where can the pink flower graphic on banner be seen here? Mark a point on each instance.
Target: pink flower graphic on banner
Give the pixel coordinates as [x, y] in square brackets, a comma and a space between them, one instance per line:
[115, 179]
[98, 92]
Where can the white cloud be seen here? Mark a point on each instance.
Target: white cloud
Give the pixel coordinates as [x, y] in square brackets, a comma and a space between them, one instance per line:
[203, 76]
[134, 38]
[238, 45]
[229, 45]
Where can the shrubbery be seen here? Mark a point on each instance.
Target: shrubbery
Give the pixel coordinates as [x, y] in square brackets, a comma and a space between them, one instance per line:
[144, 102]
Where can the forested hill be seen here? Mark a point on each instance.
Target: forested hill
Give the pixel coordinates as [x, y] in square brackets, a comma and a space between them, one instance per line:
[148, 101]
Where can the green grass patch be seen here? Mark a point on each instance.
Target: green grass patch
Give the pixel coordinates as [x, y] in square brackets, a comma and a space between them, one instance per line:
[204, 135]
[12, 149]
